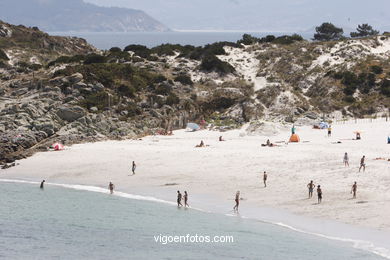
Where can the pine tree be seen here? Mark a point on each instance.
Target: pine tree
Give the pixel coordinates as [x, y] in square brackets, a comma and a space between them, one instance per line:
[328, 32]
[364, 30]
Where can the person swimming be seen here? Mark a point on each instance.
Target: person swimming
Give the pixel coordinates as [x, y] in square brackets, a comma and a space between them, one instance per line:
[237, 200]
[42, 183]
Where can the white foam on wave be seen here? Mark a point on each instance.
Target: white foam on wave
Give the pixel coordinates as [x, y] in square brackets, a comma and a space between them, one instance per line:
[358, 244]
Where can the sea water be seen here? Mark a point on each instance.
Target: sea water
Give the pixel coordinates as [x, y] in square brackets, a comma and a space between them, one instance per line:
[65, 223]
[107, 40]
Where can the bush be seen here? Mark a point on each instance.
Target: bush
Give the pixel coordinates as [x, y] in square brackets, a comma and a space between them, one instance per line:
[349, 99]
[139, 50]
[67, 59]
[99, 100]
[127, 90]
[3, 55]
[163, 89]
[286, 39]
[95, 58]
[184, 79]
[211, 63]
[172, 99]
[376, 69]
[385, 88]
[115, 49]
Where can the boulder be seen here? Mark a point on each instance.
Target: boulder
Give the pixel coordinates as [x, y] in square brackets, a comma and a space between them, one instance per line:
[70, 114]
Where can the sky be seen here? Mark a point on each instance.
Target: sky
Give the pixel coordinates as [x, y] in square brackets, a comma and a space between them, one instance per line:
[261, 15]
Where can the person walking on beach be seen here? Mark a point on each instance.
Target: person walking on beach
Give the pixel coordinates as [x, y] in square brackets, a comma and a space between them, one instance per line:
[111, 187]
[354, 189]
[346, 160]
[186, 199]
[362, 164]
[237, 200]
[311, 187]
[42, 183]
[329, 131]
[265, 179]
[179, 196]
[134, 166]
[319, 194]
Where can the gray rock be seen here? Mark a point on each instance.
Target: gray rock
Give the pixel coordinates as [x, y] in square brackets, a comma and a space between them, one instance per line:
[94, 109]
[98, 87]
[70, 114]
[311, 115]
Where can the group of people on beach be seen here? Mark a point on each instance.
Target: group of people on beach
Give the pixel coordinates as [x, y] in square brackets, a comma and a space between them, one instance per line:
[362, 162]
[180, 197]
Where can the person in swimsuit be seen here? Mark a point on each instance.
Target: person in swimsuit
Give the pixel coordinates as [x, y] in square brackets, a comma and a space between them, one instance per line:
[346, 160]
[319, 194]
[329, 131]
[265, 179]
[186, 199]
[362, 164]
[42, 183]
[179, 196]
[111, 187]
[133, 167]
[237, 200]
[354, 189]
[310, 186]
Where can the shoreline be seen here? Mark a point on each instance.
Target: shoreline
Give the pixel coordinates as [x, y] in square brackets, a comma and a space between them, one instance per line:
[328, 229]
[213, 174]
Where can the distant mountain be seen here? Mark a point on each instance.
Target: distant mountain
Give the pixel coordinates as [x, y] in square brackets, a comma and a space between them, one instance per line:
[76, 15]
[260, 15]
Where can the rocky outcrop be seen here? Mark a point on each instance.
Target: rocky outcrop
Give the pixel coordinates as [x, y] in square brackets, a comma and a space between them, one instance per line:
[70, 114]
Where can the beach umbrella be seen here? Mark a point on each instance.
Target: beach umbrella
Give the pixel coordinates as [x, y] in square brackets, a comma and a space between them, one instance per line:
[58, 146]
[193, 126]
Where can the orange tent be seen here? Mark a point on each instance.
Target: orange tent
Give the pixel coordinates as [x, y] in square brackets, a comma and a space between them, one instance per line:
[294, 138]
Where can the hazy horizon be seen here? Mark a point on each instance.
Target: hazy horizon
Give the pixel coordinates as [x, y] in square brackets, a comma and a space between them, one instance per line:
[255, 15]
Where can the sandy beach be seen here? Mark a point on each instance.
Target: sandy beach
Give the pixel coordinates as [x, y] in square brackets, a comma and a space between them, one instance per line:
[213, 174]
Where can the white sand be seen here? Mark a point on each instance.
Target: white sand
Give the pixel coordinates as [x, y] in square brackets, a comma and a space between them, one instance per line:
[218, 171]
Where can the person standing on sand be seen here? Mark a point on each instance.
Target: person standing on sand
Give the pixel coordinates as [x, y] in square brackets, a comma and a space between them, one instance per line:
[133, 167]
[179, 196]
[310, 186]
[293, 129]
[237, 200]
[319, 194]
[329, 131]
[346, 160]
[265, 179]
[111, 187]
[42, 183]
[362, 164]
[354, 189]
[186, 199]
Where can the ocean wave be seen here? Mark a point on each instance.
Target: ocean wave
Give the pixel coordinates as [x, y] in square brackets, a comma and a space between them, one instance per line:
[358, 244]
